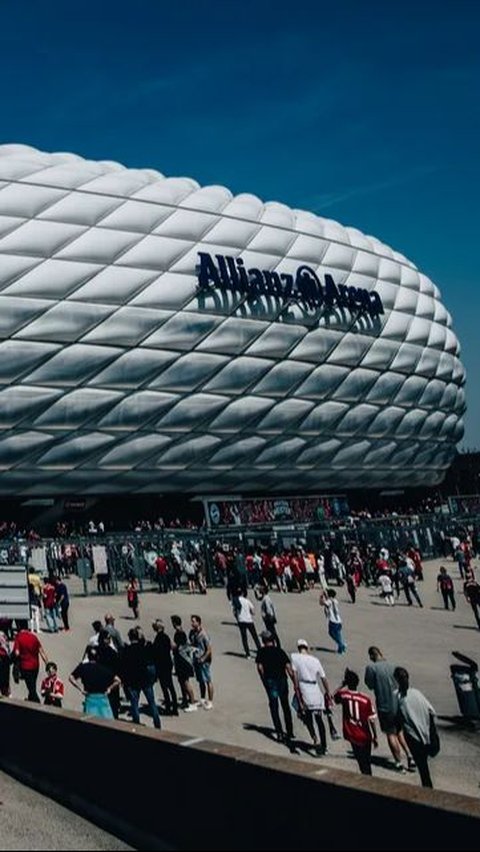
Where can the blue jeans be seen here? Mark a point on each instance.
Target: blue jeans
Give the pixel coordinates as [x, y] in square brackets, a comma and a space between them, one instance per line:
[51, 619]
[135, 704]
[277, 691]
[335, 632]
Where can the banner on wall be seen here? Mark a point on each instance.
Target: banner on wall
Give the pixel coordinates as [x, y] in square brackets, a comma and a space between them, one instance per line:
[38, 559]
[99, 555]
[233, 512]
[464, 504]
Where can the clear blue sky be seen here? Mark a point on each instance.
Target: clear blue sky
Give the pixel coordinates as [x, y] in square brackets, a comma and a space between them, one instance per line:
[365, 112]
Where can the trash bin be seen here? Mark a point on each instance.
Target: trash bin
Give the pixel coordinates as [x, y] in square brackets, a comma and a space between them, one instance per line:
[465, 681]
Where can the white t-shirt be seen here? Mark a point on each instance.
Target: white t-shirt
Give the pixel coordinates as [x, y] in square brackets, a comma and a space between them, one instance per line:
[245, 611]
[308, 670]
[410, 564]
[190, 568]
[386, 584]
[332, 611]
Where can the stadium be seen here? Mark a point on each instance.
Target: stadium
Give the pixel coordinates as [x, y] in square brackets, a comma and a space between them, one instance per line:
[162, 337]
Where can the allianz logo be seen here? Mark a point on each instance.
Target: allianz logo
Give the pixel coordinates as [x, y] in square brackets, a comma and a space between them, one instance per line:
[230, 273]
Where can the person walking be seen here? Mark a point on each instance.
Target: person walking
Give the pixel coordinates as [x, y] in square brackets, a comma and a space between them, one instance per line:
[274, 669]
[115, 637]
[386, 585]
[162, 658]
[109, 658]
[35, 594]
[358, 720]
[418, 720]
[244, 612]
[161, 568]
[446, 587]
[308, 672]
[268, 611]
[183, 661]
[27, 651]
[50, 606]
[379, 677]
[5, 663]
[329, 602]
[406, 574]
[190, 571]
[414, 554]
[351, 587]
[202, 661]
[97, 683]
[63, 602]
[471, 590]
[132, 598]
[461, 560]
[135, 664]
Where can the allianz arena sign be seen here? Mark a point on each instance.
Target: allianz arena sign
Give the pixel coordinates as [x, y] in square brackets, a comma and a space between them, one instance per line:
[160, 336]
[229, 273]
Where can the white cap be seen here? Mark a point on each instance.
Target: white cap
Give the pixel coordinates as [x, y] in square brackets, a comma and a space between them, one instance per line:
[302, 643]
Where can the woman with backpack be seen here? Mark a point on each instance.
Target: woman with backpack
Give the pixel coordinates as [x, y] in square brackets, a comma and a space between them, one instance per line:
[417, 718]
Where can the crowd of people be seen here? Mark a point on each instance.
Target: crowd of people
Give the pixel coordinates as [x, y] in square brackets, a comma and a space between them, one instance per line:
[113, 673]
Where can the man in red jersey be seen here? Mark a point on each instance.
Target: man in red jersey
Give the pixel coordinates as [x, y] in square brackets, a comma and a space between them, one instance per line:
[358, 720]
[27, 651]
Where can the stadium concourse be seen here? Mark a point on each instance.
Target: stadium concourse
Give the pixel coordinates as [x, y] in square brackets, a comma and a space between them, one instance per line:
[419, 639]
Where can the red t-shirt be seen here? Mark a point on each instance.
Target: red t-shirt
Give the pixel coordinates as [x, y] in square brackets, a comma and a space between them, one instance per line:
[27, 648]
[358, 710]
[162, 566]
[54, 686]
[49, 596]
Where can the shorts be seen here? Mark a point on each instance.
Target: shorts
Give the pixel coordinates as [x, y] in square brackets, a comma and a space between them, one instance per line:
[203, 672]
[388, 723]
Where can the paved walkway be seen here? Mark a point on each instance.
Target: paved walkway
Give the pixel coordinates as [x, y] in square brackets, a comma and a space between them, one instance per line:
[421, 640]
[31, 821]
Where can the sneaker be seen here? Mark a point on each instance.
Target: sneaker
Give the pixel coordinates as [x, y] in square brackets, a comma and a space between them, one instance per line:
[208, 705]
[336, 737]
[192, 708]
[412, 766]
[399, 767]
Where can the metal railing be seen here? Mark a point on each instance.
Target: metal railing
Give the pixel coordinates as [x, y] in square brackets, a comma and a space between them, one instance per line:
[133, 554]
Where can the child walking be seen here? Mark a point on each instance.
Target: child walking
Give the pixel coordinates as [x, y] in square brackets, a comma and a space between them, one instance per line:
[52, 689]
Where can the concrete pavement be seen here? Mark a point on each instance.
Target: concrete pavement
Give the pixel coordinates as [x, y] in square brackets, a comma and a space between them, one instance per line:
[32, 821]
[419, 639]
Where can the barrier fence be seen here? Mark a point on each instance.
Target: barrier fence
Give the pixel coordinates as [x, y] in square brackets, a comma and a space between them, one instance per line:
[105, 562]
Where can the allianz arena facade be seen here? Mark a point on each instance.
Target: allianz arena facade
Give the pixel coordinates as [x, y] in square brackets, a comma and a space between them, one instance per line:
[158, 336]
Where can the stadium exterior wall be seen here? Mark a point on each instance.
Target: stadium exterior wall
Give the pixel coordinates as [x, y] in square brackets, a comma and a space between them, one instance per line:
[157, 336]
